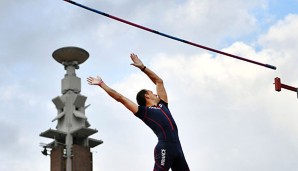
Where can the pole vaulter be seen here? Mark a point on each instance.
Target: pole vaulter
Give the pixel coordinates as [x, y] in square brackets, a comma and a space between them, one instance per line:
[171, 37]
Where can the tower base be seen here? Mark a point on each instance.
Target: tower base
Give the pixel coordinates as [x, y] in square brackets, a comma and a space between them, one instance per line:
[58, 162]
[81, 159]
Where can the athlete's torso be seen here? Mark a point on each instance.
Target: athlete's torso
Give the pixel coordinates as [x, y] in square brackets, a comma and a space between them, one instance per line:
[160, 120]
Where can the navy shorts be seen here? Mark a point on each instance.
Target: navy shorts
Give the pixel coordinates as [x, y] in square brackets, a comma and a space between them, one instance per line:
[169, 155]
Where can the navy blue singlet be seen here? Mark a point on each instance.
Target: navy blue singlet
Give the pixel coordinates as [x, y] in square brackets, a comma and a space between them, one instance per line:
[168, 151]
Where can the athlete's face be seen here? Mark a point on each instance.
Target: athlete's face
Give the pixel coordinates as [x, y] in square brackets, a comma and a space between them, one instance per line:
[151, 95]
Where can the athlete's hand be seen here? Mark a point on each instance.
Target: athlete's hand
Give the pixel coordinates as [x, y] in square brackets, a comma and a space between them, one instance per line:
[136, 61]
[94, 80]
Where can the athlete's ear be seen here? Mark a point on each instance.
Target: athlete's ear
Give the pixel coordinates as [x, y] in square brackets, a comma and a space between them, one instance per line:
[146, 96]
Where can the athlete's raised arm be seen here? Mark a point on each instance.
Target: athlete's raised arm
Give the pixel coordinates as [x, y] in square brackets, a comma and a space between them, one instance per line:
[160, 89]
[130, 105]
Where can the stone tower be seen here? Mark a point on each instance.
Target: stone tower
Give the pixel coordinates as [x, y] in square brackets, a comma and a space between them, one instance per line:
[70, 149]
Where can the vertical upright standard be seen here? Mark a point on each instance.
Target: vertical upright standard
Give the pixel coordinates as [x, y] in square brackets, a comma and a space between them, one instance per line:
[70, 150]
[279, 86]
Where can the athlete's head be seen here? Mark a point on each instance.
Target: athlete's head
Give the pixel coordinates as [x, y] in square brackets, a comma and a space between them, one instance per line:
[141, 99]
[146, 97]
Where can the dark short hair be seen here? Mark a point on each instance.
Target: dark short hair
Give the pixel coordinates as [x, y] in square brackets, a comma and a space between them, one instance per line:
[141, 97]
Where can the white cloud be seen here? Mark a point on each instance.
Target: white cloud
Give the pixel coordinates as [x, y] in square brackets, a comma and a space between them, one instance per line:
[213, 20]
[282, 35]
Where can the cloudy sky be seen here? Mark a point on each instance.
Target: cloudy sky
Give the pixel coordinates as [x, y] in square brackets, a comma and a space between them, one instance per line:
[230, 118]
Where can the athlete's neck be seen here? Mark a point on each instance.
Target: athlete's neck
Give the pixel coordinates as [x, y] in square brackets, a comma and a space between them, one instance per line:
[152, 103]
